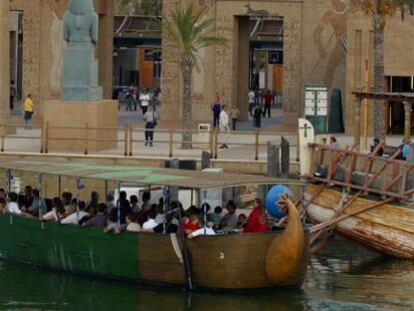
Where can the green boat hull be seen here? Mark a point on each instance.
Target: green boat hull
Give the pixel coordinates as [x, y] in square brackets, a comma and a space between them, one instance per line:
[217, 262]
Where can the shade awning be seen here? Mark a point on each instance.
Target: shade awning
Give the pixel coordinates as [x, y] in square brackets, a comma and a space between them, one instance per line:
[142, 175]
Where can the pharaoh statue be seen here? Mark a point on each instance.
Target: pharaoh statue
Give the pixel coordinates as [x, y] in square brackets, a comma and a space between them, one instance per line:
[80, 68]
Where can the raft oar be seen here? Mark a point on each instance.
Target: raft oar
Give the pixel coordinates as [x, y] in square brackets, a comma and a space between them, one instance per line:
[186, 258]
[346, 216]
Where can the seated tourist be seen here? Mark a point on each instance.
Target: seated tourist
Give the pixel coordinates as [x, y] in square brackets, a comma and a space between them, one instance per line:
[374, 146]
[242, 221]
[21, 202]
[150, 224]
[124, 208]
[74, 218]
[202, 231]
[135, 207]
[12, 207]
[72, 207]
[146, 198]
[57, 213]
[28, 196]
[112, 225]
[92, 206]
[38, 207]
[257, 221]
[191, 224]
[229, 221]
[99, 220]
[132, 225]
[2, 206]
[160, 218]
[216, 217]
[110, 203]
[67, 202]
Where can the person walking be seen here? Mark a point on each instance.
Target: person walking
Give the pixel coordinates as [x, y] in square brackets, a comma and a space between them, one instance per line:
[216, 108]
[257, 116]
[234, 115]
[252, 99]
[130, 102]
[224, 127]
[28, 112]
[150, 118]
[268, 100]
[132, 92]
[145, 100]
[13, 94]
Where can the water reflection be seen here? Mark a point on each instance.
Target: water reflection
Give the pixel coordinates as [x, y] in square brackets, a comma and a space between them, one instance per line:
[342, 277]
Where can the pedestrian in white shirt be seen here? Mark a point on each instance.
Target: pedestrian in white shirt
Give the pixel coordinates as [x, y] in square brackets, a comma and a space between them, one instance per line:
[224, 126]
[150, 224]
[145, 100]
[12, 207]
[252, 100]
[74, 218]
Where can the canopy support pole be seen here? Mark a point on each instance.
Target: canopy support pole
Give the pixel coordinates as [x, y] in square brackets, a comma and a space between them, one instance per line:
[59, 185]
[407, 121]
[106, 192]
[79, 186]
[9, 179]
[205, 210]
[39, 186]
[165, 192]
[118, 204]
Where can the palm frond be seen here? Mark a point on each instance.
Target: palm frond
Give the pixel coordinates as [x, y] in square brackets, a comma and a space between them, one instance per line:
[190, 30]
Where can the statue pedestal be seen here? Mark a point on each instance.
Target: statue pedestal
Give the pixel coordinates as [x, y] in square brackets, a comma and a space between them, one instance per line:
[70, 122]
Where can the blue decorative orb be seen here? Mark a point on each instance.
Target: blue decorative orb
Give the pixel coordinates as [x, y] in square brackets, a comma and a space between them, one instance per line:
[273, 196]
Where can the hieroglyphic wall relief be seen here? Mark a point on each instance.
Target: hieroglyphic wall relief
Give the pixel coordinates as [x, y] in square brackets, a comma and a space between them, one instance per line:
[330, 38]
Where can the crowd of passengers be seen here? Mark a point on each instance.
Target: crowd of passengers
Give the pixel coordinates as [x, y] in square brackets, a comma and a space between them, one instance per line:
[134, 216]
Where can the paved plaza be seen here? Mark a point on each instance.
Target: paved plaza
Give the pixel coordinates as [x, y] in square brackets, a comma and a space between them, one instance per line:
[241, 142]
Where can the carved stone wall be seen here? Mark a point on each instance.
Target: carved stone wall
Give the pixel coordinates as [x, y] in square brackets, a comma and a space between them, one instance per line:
[43, 47]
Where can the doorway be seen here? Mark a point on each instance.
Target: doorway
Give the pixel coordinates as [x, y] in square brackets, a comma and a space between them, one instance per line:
[396, 109]
[16, 58]
[260, 59]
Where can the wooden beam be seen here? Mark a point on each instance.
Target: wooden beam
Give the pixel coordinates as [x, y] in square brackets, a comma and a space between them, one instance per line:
[357, 122]
[407, 120]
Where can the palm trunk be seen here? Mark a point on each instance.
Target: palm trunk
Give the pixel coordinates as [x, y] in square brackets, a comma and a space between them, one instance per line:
[187, 68]
[379, 81]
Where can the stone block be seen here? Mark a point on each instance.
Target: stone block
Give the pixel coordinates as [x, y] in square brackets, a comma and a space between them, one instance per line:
[80, 75]
[67, 125]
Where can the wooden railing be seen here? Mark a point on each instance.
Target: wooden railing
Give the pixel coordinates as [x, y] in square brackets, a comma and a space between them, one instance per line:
[129, 140]
[366, 173]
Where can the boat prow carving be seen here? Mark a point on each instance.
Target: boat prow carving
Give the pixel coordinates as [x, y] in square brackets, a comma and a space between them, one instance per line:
[286, 251]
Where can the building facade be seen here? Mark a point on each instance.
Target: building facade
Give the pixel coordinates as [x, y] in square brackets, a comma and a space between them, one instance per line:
[325, 42]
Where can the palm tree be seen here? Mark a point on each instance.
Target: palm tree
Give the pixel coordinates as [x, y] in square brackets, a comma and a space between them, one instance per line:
[380, 11]
[191, 31]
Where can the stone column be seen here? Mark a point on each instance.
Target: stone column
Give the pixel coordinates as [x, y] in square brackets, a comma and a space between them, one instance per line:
[4, 61]
[357, 122]
[105, 8]
[407, 120]
[243, 66]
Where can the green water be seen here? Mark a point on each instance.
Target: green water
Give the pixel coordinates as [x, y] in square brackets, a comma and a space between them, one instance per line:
[343, 276]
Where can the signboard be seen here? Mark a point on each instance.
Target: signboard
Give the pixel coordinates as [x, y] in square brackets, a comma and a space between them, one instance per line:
[276, 57]
[316, 106]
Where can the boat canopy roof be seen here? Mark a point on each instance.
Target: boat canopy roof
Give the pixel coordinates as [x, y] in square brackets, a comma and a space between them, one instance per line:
[141, 175]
